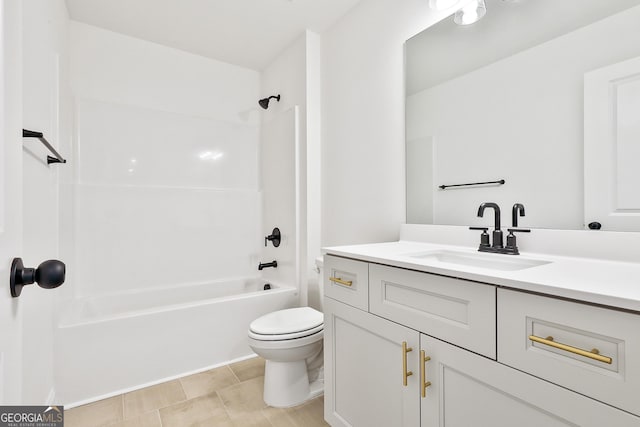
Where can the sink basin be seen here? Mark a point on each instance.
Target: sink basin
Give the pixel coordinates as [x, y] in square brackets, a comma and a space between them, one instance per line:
[482, 260]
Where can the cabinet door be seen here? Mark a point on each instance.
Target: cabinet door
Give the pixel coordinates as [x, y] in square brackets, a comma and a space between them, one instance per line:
[470, 390]
[364, 369]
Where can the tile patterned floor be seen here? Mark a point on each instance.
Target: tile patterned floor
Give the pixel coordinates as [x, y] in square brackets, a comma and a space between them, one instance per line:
[227, 396]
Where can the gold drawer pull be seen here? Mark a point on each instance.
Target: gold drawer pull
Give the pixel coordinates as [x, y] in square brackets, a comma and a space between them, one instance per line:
[423, 375]
[405, 373]
[342, 282]
[593, 354]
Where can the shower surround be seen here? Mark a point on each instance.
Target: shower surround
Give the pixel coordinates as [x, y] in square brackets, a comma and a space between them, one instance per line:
[162, 207]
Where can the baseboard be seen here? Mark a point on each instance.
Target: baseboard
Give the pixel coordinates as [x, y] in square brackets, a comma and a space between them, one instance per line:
[149, 384]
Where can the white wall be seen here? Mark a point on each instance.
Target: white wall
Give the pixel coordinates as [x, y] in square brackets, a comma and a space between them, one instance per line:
[363, 120]
[314, 166]
[166, 178]
[46, 105]
[294, 74]
[519, 119]
[284, 76]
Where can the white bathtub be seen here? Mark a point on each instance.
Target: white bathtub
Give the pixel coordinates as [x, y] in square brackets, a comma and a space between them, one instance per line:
[113, 343]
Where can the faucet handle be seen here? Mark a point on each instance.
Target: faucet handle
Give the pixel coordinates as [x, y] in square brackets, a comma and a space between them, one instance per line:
[484, 237]
[518, 230]
[512, 247]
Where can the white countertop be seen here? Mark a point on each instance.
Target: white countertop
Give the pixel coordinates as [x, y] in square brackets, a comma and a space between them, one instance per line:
[606, 282]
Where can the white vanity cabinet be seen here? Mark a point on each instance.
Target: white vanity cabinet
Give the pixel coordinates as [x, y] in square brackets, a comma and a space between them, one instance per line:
[364, 370]
[448, 373]
[467, 390]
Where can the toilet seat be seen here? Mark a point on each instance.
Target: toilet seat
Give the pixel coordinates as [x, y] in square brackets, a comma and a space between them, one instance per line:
[287, 324]
[283, 337]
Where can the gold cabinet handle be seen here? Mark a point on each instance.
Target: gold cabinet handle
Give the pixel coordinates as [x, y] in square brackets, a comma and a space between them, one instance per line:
[593, 354]
[405, 373]
[423, 373]
[342, 282]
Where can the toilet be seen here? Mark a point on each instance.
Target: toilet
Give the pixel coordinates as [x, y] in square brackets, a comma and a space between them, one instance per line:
[291, 343]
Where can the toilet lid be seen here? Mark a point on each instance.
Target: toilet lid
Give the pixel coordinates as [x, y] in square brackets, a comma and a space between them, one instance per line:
[317, 331]
[287, 321]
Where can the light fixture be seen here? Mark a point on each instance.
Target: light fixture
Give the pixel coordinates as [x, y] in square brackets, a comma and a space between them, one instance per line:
[472, 12]
[442, 4]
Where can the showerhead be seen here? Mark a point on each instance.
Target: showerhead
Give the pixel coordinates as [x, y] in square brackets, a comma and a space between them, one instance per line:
[264, 103]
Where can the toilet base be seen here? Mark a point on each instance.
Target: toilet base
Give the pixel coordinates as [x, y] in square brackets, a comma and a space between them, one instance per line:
[316, 389]
[286, 384]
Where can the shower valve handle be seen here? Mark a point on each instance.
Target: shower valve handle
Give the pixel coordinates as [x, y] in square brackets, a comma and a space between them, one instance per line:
[275, 237]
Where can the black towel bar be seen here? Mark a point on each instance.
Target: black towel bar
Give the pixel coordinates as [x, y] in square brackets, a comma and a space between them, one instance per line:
[32, 134]
[444, 187]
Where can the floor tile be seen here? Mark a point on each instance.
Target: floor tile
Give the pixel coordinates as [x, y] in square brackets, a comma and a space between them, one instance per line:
[244, 398]
[150, 419]
[247, 369]
[244, 403]
[278, 417]
[208, 382]
[100, 413]
[185, 402]
[151, 398]
[203, 410]
[310, 414]
[251, 419]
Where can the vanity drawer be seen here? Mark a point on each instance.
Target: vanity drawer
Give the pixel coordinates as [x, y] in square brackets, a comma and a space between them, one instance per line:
[455, 310]
[347, 280]
[592, 350]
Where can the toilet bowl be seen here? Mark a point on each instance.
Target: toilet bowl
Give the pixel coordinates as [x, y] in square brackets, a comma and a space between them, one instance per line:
[291, 343]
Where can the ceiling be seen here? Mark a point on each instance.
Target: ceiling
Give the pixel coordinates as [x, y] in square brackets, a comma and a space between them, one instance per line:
[249, 33]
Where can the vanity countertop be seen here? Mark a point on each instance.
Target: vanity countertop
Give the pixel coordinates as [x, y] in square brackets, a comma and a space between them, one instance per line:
[606, 282]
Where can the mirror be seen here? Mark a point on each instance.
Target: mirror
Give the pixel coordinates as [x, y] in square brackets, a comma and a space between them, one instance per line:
[504, 99]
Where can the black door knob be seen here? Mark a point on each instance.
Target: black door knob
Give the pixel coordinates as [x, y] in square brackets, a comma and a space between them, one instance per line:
[49, 274]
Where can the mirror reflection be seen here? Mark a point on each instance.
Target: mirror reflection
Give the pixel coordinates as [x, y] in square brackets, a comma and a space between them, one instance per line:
[506, 97]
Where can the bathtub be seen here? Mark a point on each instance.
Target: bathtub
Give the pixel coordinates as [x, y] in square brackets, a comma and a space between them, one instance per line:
[109, 344]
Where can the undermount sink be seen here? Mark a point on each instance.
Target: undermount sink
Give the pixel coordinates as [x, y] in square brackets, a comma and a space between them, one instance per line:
[489, 261]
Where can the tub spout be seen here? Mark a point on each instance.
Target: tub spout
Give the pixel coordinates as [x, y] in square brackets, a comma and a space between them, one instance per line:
[273, 264]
